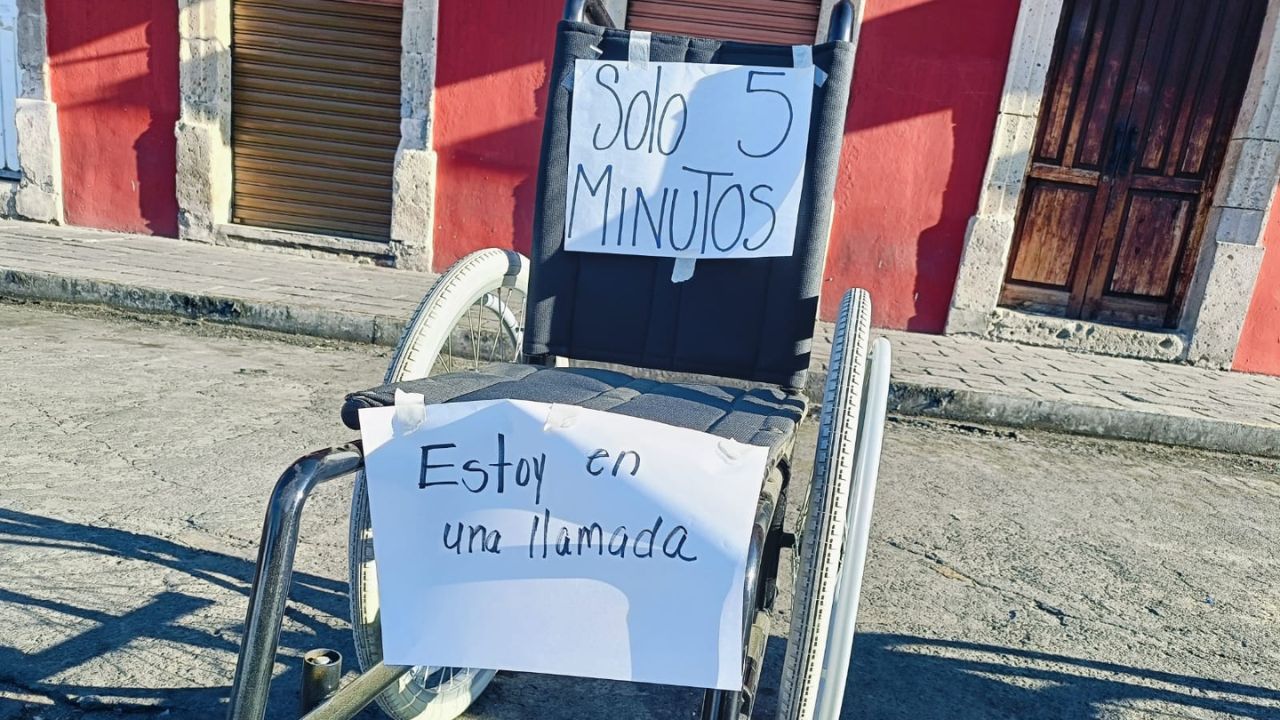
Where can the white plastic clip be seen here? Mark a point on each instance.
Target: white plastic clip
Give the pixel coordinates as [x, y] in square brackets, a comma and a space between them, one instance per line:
[411, 411]
[638, 49]
[683, 269]
[560, 416]
[567, 82]
[802, 57]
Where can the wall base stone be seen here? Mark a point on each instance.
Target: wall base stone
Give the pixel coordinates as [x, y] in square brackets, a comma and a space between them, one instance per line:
[1219, 300]
[413, 187]
[203, 130]
[39, 194]
[986, 249]
[370, 252]
[1082, 336]
[204, 181]
[963, 321]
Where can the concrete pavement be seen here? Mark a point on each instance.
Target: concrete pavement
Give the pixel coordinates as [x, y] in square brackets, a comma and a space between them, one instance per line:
[956, 378]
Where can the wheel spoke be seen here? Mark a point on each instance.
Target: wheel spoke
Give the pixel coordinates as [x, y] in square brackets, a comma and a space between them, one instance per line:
[475, 332]
[497, 332]
[448, 350]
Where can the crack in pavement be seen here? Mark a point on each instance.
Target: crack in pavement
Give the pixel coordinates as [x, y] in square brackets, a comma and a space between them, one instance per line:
[950, 571]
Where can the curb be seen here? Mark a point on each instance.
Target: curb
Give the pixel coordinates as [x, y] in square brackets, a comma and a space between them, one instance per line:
[904, 398]
[280, 317]
[1081, 419]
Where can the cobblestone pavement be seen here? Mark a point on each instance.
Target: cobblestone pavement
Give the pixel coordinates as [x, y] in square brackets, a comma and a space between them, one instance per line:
[1012, 575]
[954, 377]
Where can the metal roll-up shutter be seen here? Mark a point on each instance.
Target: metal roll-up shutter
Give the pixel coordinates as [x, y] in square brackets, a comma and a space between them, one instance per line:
[783, 22]
[316, 114]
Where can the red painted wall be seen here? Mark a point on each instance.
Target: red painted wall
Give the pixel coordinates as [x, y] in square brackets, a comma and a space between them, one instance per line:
[114, 76]
[491, 76]
[927, 84]
[1259, 348]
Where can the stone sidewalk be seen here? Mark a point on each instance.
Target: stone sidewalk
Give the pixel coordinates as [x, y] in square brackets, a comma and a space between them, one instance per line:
[956, 378]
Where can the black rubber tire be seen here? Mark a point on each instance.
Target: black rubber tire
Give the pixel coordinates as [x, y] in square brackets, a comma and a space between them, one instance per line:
[821, 540]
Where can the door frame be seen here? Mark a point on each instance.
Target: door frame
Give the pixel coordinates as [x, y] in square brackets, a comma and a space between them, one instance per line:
[204, 141]
[1231, 245]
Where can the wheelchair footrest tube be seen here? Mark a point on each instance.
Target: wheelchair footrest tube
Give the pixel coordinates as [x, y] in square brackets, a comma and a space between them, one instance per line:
[321, 675]
[275, 571]
[360, 692]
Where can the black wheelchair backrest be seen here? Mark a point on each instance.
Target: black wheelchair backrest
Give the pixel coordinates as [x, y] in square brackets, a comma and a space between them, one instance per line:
[750, 319]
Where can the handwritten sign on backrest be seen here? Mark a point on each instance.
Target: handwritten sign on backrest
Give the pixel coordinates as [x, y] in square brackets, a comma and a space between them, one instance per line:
[544, 538]
[686, 160]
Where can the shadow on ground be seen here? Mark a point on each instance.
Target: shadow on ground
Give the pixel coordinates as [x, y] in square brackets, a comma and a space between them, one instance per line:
[901, 676]
[312, 599]
[895, 676]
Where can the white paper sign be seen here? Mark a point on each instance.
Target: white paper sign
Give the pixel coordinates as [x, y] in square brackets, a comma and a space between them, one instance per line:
[686, 160]
[523, 536]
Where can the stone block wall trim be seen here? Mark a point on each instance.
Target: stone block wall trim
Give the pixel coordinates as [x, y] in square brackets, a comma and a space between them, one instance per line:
[1258, 118]
[1224, 277]
[1034, 34]
[204, 123]
[1231, 249]
[1223, 287]
[33, 51]
[413, 177]
[38, 192]
[39, 195]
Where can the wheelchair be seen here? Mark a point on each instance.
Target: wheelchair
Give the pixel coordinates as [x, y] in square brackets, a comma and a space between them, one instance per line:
[552, 327]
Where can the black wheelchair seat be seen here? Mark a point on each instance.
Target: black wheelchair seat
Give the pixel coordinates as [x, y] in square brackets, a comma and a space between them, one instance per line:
[762, 416]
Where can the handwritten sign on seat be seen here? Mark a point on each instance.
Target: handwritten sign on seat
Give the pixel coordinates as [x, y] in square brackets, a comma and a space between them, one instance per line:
[523, 536]
[686, 160]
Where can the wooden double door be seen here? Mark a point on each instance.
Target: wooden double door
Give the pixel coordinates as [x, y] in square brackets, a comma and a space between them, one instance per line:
[1138, 108]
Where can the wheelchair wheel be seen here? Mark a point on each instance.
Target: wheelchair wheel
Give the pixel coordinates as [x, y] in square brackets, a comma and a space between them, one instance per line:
[844, 611]
[474, 314]
[822, 536]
